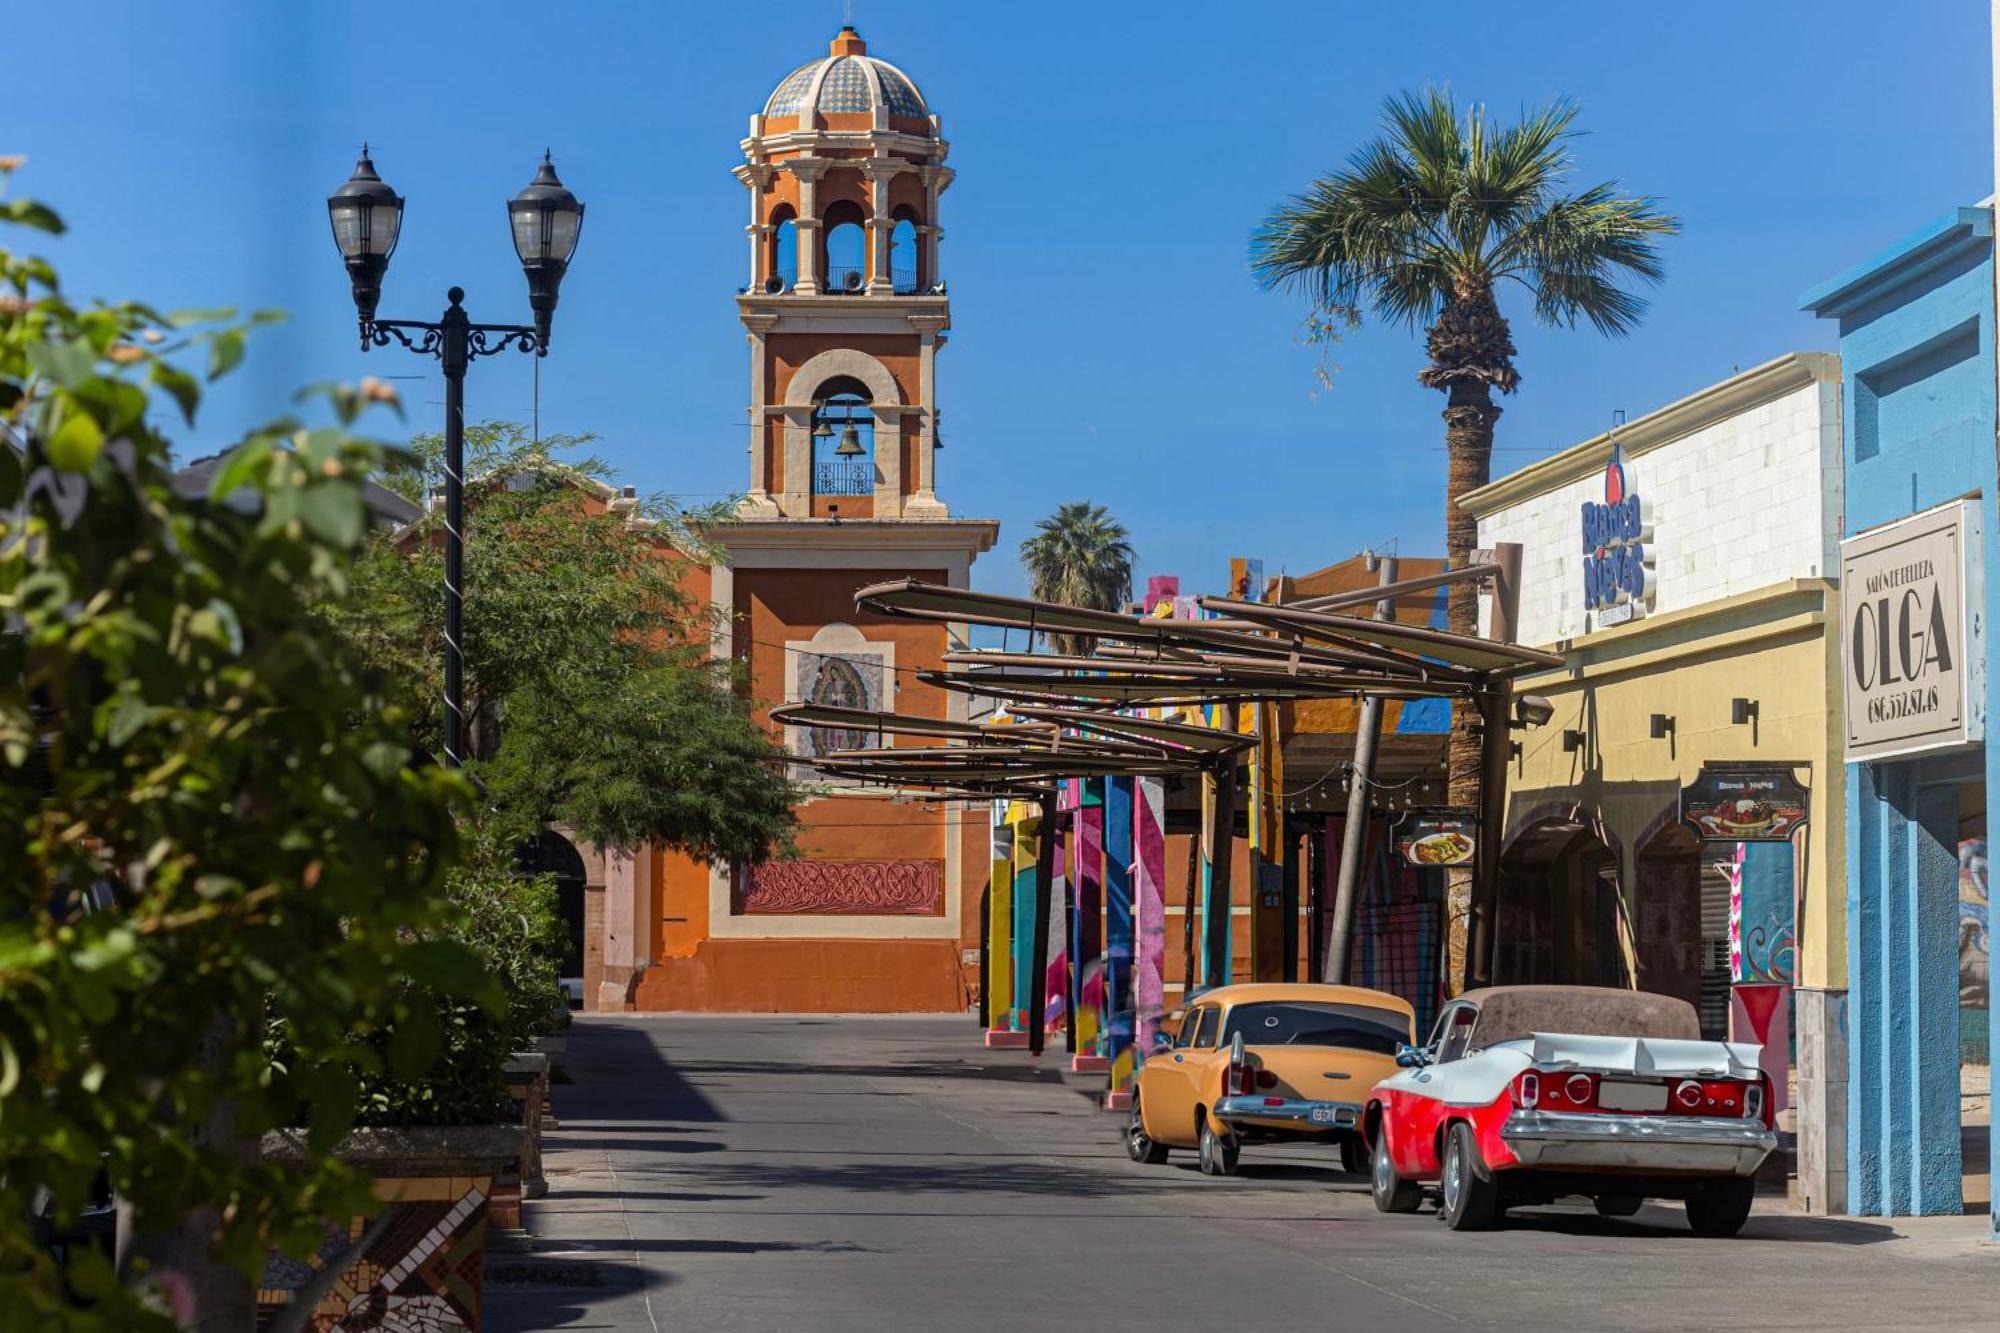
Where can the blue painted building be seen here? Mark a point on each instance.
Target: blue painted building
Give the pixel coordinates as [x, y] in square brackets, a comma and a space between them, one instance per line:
[1917, 350]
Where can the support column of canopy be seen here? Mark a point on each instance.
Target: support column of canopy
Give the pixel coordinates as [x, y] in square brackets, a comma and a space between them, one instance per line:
[1149, 912]
[997, 966]
[1218, 854]
[1044, 883]
[1021, 1023]
[1120, 917]
[1086, 939]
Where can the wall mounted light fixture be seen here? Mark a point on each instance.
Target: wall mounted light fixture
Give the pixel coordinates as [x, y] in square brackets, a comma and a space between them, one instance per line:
[1533, 710]
[1573, 740]
[1663, 726]
[1742, 711]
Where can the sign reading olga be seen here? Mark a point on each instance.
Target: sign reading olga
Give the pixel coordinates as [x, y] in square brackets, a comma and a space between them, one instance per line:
[1909, 593]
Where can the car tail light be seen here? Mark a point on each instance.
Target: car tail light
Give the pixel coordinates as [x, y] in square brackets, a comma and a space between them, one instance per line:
[1754, 1099]
[1239, 1080]
[1528, 1090]
[1578, 1090]
[1266, 1079]
[1690, 1094]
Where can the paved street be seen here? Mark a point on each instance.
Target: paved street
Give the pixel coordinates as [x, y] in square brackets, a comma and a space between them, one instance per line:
[829, 1173]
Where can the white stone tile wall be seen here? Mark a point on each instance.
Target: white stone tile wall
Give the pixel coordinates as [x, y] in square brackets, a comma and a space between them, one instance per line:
[1748, 501]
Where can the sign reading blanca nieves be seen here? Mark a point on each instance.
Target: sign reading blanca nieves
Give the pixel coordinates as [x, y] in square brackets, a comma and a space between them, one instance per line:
[1617, 556]
[1910, 654]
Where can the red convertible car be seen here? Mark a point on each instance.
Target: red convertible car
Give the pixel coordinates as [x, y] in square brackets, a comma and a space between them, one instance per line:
[1527, 1094]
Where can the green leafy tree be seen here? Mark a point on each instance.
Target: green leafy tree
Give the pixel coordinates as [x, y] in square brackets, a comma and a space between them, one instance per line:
[1424, 226]
[210, 818]
[1082, 556]
[593, 702]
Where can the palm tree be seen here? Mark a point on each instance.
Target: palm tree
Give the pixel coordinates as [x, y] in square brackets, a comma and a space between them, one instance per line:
[1082, 556]
[1424, 225]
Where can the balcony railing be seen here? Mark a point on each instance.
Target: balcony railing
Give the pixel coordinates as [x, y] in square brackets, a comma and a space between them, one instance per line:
[844, 280]
[844, 476]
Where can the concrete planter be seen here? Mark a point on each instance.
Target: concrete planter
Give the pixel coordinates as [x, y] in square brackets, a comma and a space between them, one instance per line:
[421, 1265]
[527, 1075]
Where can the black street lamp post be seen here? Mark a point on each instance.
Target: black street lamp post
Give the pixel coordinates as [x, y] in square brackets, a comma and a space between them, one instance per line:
[545, 219]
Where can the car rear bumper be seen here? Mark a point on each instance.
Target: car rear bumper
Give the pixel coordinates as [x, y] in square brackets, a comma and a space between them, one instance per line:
[1694, 1145]
[1289, 1113]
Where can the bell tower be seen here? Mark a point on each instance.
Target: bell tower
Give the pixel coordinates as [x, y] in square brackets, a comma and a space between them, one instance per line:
[845, 303]
[845, 309]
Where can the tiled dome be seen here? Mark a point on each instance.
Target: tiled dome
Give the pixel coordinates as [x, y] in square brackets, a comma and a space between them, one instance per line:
[847, 79]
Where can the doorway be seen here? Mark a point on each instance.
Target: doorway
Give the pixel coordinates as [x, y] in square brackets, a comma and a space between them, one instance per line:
[1561, 910]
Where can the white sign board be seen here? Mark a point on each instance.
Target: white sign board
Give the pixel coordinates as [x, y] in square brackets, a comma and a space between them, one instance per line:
[1911, 656]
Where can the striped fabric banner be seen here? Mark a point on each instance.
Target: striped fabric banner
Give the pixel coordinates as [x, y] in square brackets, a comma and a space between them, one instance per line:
[1000, 921]
[1149, 910]
[1118, 929]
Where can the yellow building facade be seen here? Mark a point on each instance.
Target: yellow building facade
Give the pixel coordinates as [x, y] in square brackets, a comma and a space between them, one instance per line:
[1677, 823]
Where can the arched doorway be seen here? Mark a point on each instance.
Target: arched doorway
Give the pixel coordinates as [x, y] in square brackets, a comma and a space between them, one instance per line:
[550, 853]
[1677, 925]
[1559, 909]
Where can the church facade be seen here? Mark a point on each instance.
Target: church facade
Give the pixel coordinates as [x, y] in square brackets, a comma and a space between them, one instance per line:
[845, 310]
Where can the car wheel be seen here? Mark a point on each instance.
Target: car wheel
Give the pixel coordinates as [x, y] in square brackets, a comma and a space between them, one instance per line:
[1139, 1145]
[1393, 1194]
[1471, 1201]
[1354, 1156]
[1721, 1207]
[1617, 1205]
[1218, 1153]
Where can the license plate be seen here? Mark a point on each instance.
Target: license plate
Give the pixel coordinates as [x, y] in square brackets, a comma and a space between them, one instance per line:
[1616, 1096]
[1325, 1115]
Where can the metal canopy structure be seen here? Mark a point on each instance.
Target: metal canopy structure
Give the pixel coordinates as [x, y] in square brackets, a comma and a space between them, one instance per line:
[1071, 712]
[1020, 760]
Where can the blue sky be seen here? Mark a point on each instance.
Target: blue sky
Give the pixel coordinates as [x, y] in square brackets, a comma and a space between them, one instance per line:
[1112, 159]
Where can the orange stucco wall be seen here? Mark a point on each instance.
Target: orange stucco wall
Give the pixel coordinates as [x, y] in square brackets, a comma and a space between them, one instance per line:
[694, 970]
[900, 355]
[810, 976]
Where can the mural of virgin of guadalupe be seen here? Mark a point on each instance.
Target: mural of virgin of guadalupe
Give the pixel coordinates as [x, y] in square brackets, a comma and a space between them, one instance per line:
[842, 683]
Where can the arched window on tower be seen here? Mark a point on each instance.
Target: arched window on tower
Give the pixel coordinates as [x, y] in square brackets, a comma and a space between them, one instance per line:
[843, 439]
[846, 248]
[784, 257]
[903, 255]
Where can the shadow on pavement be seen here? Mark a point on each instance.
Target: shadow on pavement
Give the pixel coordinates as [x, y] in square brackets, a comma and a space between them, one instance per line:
[987, 1176]
[575, 1138]
[628, 1080]
[670, 1195]
[732, 1246]
[989, 1073]
[532, 1292]
[1767, 1227]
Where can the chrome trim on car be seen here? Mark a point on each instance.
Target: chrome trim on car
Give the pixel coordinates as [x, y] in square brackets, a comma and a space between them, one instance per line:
[1731, 1145]
[1346, 1115]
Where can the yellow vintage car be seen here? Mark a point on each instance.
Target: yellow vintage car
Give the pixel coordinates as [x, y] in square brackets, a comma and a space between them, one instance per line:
[1267, 1063]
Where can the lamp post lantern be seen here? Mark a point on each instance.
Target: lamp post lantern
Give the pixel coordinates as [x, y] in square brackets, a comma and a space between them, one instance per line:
[545, 219]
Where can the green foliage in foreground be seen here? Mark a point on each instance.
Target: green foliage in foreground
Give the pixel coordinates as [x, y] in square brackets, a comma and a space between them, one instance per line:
[591, 696]
[208, 812]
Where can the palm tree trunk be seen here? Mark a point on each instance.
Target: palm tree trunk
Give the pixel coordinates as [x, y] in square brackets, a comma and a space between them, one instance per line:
[1468, 434]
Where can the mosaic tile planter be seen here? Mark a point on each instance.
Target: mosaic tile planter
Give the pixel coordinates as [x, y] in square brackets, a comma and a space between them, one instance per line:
[424, 1270]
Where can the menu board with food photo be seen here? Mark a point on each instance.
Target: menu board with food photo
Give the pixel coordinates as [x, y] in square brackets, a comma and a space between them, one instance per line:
[1745, 803]
[1439, 839]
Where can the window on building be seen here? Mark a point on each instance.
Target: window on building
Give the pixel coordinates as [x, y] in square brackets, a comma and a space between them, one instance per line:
[843, 439]
[846, 249]
[903, 256]
[785, 250]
